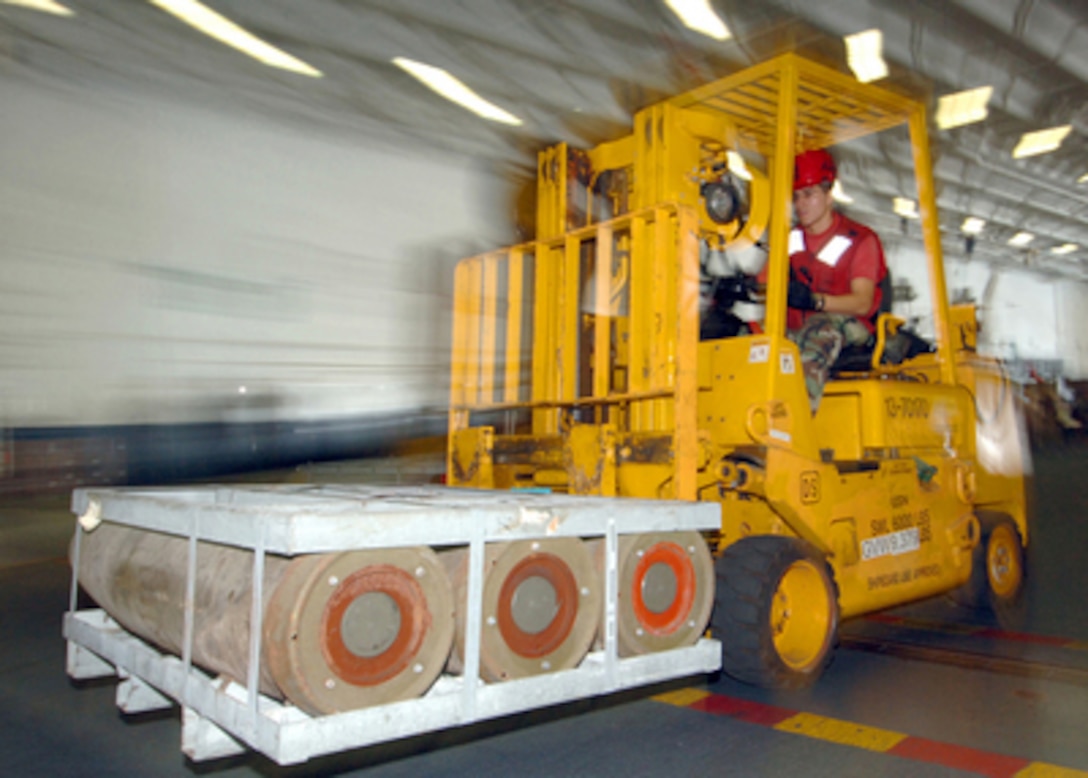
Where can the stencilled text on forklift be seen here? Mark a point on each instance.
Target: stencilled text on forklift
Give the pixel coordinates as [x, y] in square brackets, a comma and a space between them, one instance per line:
[907, 407]
[897, 577]
[894, 543]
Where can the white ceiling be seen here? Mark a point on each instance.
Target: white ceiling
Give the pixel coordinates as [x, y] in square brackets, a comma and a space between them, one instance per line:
[576, 70]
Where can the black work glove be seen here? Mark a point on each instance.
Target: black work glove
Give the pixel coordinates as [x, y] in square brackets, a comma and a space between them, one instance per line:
[732, 289]
[801, 297]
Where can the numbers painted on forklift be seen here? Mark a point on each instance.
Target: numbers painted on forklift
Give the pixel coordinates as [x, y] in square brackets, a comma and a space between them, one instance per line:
[925, 534]
[907, 407]
[810, 487]
[892, 544]
[902, 520]
[759, 353]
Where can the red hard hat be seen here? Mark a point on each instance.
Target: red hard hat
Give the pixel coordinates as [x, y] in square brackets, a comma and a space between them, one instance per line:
[813, 167]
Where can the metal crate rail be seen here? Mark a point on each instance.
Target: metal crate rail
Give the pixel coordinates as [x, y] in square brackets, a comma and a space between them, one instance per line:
[302, 519]
[217, 720]
[221, 717]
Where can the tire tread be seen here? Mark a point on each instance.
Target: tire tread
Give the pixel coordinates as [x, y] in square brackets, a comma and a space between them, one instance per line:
[747, 574]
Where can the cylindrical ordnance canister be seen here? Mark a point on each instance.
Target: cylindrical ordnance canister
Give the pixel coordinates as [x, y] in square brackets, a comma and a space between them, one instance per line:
[341, 630]
[541, 606]
[665, 590]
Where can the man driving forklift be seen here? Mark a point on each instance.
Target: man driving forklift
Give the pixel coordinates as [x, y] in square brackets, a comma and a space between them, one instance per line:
[836, 269]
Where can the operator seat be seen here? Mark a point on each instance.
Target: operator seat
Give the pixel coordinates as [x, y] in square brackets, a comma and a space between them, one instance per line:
[899, 344]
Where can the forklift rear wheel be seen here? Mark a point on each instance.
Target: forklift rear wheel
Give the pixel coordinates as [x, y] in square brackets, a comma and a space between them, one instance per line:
[1004, 563]
[777, 612]
[997, 567]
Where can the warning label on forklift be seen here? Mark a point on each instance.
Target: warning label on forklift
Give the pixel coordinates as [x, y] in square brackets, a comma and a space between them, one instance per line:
[892, 544]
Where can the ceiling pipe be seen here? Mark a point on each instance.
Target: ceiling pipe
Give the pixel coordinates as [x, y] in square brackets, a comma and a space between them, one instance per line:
[1036, 36]
[957, 188]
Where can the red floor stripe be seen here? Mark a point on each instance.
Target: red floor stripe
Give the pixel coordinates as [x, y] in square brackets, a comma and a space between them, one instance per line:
[885, 618]
[980, 631]
[745, 710]
[1022, 637]
[959, 757]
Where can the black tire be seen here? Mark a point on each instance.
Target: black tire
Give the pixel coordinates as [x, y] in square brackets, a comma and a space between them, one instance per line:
[997, 570]
[776, 612]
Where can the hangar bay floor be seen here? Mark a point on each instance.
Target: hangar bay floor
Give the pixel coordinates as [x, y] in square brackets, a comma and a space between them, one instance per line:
[927, 690]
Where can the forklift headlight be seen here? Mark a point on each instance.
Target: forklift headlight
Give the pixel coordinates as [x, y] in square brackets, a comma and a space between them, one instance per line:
[722, 201]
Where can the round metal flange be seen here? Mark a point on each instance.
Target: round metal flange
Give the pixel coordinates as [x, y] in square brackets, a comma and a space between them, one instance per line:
[536, 605]
[665, 590]
[358, 628]
[540, 610]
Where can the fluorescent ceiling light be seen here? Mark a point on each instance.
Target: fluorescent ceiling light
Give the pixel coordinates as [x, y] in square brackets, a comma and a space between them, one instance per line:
[865, 55]
[838, 193]
[1021, 239]
[225, 31]
[973, 225]
[699, 16]
[1041, 141]
[46, 6]
[1082, 179]
[737, 165]
[908, 209]
[1065, 248]
[961, 108]
[452, 88]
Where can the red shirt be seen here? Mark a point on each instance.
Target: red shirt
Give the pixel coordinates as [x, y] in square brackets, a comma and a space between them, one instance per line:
[828, 262]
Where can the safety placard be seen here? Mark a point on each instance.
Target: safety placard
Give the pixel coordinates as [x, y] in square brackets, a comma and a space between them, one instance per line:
[759, 353]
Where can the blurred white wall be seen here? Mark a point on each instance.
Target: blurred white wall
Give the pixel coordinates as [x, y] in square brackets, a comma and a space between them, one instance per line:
[155, 259]
[1023, 314]
[1071, 314]
[160, 263]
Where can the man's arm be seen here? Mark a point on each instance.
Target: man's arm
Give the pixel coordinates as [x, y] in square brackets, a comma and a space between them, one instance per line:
[857, 303]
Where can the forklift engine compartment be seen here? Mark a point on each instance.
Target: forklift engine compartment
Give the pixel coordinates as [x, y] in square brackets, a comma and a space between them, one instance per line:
[577, 367]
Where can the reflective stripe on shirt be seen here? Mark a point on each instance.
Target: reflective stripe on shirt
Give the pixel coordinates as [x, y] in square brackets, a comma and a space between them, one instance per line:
[830, 254]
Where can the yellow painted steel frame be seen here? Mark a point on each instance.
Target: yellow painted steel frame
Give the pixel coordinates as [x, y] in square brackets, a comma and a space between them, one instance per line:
[577, 366]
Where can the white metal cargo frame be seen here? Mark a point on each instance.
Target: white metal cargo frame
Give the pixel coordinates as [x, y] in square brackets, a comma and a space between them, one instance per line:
[221, 717]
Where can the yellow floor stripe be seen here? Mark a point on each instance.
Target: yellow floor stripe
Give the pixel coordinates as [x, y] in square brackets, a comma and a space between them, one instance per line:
[682, 697]
[1043, 770]
[838, 731]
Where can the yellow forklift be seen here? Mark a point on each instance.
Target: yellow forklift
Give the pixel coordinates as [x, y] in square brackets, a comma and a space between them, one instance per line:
[578, 367]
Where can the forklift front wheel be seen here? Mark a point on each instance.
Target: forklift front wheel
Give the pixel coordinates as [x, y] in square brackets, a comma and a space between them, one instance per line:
[777, 612]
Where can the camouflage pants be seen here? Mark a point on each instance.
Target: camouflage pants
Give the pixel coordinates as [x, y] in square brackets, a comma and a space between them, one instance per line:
[820, 340]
